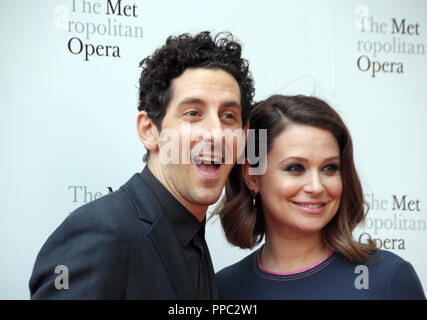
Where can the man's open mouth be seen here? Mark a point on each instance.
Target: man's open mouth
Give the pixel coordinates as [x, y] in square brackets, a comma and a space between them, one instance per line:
[208, 166]
[207, 162]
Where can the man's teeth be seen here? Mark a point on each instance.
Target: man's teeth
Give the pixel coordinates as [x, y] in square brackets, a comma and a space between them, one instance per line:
[207, 161]
[310, 205]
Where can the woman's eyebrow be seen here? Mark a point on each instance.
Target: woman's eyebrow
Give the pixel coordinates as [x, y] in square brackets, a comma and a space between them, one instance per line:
[301, 159]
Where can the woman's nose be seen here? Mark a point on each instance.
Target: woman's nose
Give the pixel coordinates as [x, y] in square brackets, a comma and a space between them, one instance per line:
[314, 185]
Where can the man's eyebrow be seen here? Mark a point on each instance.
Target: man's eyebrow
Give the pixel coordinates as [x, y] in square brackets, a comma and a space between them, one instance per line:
[230, 103]
[190, 101]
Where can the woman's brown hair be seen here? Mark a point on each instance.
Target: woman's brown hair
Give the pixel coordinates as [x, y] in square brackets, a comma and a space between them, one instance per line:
[243, 223]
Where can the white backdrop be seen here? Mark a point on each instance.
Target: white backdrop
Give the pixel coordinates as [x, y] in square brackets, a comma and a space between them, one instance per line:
[68, 126]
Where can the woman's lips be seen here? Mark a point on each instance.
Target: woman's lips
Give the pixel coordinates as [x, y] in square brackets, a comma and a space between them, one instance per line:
[311, 207]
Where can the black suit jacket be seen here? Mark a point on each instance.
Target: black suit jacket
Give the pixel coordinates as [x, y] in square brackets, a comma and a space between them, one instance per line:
[121, 246]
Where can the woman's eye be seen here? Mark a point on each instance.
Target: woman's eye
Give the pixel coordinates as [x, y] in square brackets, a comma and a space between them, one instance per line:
[331, 168]
[295, 168]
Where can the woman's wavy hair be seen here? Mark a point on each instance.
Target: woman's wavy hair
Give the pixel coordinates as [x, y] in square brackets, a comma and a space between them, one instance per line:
[243, 223]
[187, 51]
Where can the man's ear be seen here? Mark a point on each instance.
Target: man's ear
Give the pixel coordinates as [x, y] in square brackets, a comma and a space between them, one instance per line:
[147, 131]
[251, 181]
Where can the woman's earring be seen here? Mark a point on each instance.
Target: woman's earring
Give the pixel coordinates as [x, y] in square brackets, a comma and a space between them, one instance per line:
[253, 194]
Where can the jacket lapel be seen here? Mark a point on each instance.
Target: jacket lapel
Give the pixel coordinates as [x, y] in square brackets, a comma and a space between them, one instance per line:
[162, 235]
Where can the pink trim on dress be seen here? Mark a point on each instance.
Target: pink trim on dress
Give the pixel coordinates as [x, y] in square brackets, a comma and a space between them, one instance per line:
[289, 273]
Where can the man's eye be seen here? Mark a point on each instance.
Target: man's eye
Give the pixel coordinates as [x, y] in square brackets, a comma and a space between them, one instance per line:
[192, 114]
[295, 168]
[228, 116]
[331, 168]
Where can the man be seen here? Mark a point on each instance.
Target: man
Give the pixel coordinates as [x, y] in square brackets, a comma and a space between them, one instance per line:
[146, 240]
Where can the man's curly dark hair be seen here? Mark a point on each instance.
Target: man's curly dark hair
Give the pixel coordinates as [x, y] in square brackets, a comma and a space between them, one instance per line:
[186, 51]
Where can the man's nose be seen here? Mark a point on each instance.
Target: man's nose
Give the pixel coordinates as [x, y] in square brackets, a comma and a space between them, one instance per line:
[212, 127]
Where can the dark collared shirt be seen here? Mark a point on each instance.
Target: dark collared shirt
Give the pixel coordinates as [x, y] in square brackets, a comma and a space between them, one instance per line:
[190, 233]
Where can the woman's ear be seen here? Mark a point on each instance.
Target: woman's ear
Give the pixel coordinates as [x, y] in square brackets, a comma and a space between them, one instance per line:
[147, 131]
[251, 181]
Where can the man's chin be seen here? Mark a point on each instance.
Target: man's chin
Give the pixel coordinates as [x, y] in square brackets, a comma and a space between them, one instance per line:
[208, 198]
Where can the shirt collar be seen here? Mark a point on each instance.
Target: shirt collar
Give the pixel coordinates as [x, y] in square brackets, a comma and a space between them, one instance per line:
[185, 224]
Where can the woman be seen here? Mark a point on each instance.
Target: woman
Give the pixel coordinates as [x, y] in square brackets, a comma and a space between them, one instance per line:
[307, 203]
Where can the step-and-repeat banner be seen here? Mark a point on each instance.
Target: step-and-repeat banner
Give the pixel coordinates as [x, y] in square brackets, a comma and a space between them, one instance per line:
[69, 84]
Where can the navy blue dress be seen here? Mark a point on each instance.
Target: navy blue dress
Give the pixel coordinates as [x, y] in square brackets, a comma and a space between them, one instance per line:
[387, 276]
